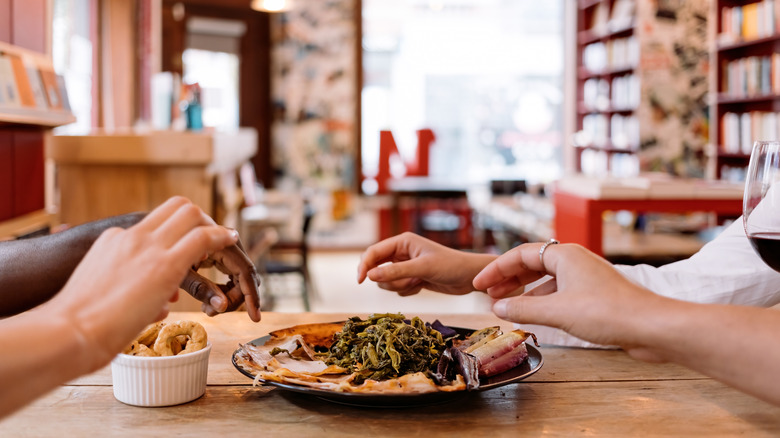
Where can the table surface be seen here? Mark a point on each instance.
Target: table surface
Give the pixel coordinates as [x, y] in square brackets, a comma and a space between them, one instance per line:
[577, 391]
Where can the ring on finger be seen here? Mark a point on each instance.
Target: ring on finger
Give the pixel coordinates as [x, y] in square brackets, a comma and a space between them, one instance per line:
[544, 247]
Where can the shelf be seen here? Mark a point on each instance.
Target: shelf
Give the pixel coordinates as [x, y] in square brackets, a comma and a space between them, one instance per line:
[608, 149]
[44, 80]
[584, 73]
[732, 156]
[747, 43]
[36, 117]
[27, 223]
[582, 109]
[585, 37]
[727, 99]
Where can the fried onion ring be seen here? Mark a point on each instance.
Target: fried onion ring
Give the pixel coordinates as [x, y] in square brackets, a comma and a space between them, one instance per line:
[195, 333]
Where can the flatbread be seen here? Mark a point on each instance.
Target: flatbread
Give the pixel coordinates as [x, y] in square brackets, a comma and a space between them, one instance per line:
[316, 335]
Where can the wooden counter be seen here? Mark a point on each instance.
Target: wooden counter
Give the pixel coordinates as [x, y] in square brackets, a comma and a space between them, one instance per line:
[105, 174]
[576, 392]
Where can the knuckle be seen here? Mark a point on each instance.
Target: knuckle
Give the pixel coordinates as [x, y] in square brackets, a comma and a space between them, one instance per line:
[178, 199]
[191, 211]
[198, 290]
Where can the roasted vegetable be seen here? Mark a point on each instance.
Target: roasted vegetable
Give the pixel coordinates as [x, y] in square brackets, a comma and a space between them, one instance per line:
[384, 346]
[502, 353]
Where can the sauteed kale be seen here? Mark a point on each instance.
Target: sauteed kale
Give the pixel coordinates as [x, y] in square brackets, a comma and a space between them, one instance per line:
[384, 346]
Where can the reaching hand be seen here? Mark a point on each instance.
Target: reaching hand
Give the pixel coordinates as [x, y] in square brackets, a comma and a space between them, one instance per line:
[418, 263]
[587, 297]
[128, 276]
[242, 287]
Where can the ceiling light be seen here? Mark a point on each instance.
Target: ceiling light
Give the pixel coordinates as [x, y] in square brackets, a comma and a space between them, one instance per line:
[271, 5]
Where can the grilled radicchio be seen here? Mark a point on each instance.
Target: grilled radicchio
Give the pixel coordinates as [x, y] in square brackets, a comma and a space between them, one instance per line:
[485, 353]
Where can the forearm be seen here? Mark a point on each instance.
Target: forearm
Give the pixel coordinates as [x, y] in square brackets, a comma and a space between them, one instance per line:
[736, 345]
[33, 270]
[40, 350]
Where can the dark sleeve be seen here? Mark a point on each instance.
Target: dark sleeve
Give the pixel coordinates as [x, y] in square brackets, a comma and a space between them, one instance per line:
[34, 270]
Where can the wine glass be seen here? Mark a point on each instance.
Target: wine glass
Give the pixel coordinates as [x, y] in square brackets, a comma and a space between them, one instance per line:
[761, 208]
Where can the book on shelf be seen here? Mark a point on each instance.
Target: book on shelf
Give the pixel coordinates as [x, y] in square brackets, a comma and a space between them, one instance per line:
[752, 76]
[748, 22]
[750, 29]
[8, 90]
[740, 130]
[600, 20]
[51, 88]
[36, 84]
[26, 94]
[622, 15]
[26, 87]
[745, 130]
[63, 92]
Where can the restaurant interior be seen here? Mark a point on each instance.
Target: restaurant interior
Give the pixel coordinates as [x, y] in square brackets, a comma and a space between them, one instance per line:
[317, 128]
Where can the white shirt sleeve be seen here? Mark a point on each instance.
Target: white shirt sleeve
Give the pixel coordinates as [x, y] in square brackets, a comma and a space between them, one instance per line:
[726, 271]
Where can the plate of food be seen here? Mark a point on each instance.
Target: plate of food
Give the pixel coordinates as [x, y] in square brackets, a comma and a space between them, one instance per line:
[387, 360]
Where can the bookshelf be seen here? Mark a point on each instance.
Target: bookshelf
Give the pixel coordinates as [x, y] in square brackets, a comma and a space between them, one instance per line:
[32, 102]
[746, 82]
[607, 87]
[641, 85]
[29, 100]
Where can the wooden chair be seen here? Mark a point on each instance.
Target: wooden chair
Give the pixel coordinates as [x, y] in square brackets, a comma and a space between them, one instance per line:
[291, 256]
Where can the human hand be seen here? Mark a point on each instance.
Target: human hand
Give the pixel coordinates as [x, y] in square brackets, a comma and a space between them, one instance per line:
[417, 263]
[241, 288]
[128, 276]
[587, 297]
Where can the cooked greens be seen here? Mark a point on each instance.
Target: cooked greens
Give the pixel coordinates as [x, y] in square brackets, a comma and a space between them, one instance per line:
[384, 346]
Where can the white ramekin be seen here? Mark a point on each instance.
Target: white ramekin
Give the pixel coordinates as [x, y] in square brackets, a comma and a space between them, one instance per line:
[160, 381]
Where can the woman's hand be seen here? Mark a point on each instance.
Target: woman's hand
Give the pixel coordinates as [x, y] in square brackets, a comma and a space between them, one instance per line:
[416, 263]
[587, 297]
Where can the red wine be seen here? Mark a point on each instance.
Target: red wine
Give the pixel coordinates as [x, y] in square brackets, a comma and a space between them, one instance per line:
[767, 245]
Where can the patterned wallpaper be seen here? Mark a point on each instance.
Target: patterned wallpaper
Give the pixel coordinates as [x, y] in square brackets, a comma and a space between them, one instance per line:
[674, 69]
[313, 90]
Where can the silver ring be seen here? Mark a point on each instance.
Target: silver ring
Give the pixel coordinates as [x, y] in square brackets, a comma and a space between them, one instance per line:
[544, 247]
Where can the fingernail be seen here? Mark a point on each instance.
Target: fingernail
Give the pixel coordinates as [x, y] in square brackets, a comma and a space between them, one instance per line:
[500, 308]
[234, 233]
[217, 302]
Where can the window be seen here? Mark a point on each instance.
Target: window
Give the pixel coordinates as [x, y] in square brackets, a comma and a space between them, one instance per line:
[72, 58]
[212, 61]
[217, 75]
[485, 75]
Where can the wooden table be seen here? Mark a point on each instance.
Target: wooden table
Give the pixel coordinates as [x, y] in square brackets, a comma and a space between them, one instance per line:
[593, 392]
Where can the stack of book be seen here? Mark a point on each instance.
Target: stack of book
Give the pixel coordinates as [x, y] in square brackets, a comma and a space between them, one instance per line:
[749, 22]
[740, 129]
[27, 86]
[752, 76]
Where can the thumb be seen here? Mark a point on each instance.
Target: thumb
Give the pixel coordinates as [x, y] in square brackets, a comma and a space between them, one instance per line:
[527, 310]
[205, 291]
